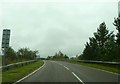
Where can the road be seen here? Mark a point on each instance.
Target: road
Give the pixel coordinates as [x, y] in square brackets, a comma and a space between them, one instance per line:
[58, 71]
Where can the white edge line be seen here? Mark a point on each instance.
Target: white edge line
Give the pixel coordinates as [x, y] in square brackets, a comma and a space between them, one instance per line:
[29, 74]
[101, 70]
[78, 78]
[67, 68]
[108, 71]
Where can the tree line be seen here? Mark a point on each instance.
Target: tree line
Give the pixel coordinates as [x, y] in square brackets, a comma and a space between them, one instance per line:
[58, 56]
[21, 55]
[104, 45]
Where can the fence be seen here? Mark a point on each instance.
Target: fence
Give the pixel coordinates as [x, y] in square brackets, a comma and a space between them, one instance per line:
[6, 67]
[100, 62]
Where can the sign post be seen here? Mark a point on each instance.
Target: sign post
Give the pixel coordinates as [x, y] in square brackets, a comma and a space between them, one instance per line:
[5, 43]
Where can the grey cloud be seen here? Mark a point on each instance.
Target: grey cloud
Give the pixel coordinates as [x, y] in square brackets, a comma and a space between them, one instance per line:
[50, 27]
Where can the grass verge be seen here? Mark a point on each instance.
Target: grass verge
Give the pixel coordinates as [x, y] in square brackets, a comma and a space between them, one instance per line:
[15, 74]
[111, 68]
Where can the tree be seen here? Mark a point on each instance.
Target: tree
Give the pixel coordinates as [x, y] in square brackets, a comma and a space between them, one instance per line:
[87, 52]
[26, 53]
[103, 38]
[99, 47]
[10, 55]
[58, 56]
[117, 24]
[66, 57]
[110, 48]
[49, 57]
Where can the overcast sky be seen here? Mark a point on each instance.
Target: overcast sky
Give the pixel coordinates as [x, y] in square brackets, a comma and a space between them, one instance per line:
[52, 25]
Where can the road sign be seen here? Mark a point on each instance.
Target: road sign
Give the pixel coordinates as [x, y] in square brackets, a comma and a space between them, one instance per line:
[5, 38]
[5, 44]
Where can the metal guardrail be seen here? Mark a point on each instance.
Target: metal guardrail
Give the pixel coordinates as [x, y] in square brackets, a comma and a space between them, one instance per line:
[100, 62]
[15, 64]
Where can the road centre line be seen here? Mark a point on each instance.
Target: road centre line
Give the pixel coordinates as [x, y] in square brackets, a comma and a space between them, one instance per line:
[73, 74]
[78, 78]
[67, 68]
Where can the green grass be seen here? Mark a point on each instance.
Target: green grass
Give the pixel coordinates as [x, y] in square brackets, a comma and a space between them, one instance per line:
[0, 77]
[106, 67]
[0, 60]
[15, 74]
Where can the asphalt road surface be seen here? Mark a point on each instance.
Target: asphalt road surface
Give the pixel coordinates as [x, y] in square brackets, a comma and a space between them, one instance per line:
[58, 71]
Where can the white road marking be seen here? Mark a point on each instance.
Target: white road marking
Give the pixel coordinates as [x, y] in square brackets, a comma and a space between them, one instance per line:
[29, 74]
[72, 73]
[107, 71]
[78, 78]
[67, 68]
[101, 70]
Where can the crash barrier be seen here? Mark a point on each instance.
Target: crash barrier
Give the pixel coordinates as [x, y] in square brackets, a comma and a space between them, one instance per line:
[7, 67]
[100, 62]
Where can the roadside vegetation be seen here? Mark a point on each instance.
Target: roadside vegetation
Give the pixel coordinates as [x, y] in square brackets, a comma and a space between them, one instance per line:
[58, 56]
[23, 54]
[105, 45]
[14, 74]
[0, 60]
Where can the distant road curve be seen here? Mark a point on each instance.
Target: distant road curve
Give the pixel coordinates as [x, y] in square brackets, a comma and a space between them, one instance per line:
[58, 71]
